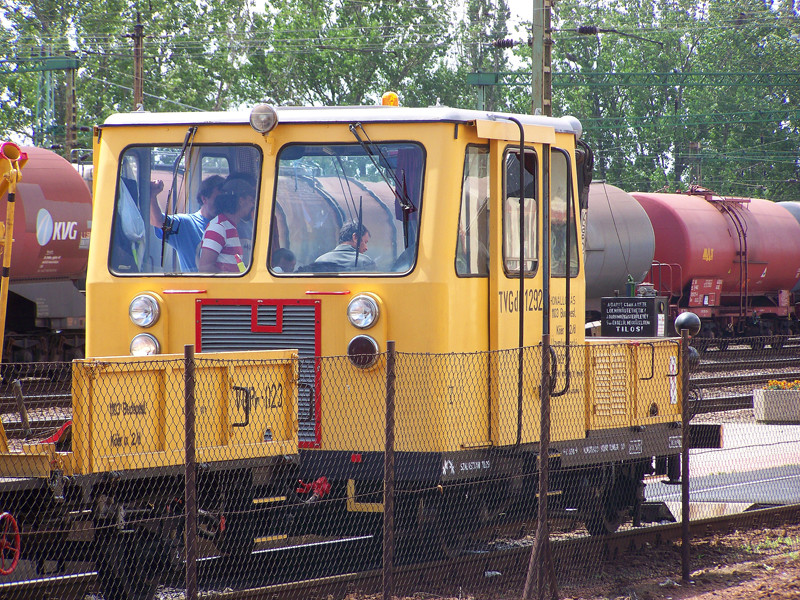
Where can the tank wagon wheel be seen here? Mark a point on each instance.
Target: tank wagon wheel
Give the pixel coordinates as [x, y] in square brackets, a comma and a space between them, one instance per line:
[9, 544]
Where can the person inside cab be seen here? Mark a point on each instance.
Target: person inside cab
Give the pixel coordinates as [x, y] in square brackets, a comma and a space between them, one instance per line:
[221, 248]
[185, 230]
[283, 261]
[350, 253]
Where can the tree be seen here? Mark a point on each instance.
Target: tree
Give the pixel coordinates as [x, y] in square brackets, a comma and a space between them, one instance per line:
[734, 139]
[203, 56]
[487, 23]
[339, 52]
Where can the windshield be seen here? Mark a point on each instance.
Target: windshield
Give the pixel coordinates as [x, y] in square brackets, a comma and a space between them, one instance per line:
[339, 209]
[185, 209]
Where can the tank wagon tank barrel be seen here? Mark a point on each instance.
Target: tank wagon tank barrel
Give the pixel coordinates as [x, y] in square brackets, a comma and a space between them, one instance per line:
[733, 261]
[46, 306]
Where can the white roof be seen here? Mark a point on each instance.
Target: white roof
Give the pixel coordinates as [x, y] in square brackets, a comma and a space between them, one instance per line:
[340, 114]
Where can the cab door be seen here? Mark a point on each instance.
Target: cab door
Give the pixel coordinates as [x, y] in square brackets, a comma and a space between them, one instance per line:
[515, 307]
[567, 291]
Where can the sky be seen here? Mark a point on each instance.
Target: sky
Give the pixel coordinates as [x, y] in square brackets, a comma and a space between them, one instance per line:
[521, 10]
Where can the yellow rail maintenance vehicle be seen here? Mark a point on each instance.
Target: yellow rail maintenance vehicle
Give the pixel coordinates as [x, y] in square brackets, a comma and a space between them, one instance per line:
[338, 229]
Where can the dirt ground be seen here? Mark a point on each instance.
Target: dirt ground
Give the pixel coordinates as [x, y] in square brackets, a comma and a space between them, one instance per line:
[743, 564]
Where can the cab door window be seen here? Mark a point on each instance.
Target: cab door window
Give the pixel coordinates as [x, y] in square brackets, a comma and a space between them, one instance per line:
[511, 213]
[561, 201]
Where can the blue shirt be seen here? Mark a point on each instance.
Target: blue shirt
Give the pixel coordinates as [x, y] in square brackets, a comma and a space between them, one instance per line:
[185, 237]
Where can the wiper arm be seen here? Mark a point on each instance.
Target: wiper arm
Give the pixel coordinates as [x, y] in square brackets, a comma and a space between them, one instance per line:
[166, 225]
[382, 165]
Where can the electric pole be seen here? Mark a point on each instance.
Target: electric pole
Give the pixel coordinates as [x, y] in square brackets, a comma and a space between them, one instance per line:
[70, 118]
[541, 49]
[138, 60]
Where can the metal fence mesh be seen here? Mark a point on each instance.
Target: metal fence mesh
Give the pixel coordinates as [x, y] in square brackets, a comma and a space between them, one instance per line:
[289, 473]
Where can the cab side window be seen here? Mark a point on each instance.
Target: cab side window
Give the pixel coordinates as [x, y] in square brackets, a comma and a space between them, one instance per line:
[561, 204]
[472, 245]
[511, 213]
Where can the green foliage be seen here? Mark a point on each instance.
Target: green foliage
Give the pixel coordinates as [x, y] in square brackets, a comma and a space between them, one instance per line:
[734, 139]
[334, 52]
[737, 140]
[215, 55]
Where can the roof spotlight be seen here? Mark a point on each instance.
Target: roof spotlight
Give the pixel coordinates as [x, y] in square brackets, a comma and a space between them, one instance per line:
[263, 118]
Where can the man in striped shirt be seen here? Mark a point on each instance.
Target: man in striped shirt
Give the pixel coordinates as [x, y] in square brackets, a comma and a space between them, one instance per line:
[221, 249]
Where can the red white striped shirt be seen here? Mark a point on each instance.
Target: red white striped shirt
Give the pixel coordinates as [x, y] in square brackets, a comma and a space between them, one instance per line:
[222, 237]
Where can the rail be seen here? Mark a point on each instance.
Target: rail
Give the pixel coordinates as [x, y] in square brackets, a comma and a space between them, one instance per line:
[726, 378]
[452, 574]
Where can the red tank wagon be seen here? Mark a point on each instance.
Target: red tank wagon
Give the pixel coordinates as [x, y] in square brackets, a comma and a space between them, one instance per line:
[48, 263]
[733, 261]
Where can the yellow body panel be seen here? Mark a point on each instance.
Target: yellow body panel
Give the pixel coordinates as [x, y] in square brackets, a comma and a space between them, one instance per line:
[506, 130]
[658, 390]
[128, 412]
[632, 383]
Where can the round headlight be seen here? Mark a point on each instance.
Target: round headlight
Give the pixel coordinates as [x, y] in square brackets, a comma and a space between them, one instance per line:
[144, 310]
[362, 351]
[144, 344]
[362, 312]
[263, 118]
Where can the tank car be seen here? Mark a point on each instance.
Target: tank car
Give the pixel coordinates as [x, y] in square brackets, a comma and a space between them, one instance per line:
[46, 303]
[717, 256]
[619, 245]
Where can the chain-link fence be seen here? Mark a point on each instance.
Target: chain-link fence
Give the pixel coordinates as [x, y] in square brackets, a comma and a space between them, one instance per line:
[168, 478]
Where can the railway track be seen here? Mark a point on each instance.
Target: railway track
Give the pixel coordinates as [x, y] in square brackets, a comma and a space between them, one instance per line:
[469, 569]
[726, 378]
[473, 568]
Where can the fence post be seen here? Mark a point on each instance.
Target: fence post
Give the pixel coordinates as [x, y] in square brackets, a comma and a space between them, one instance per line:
[541, 570]
[685, 418]
[190, 493]
[388, 478]
[23, 411]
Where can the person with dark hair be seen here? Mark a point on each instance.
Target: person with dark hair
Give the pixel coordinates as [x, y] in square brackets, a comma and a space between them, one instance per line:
[186, 229]
[245, 227]
[283, 261]
[221, 248]
[349, 255]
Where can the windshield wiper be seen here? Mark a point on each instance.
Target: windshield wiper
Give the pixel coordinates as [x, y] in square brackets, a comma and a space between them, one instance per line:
[166, 226]
[381, 163]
